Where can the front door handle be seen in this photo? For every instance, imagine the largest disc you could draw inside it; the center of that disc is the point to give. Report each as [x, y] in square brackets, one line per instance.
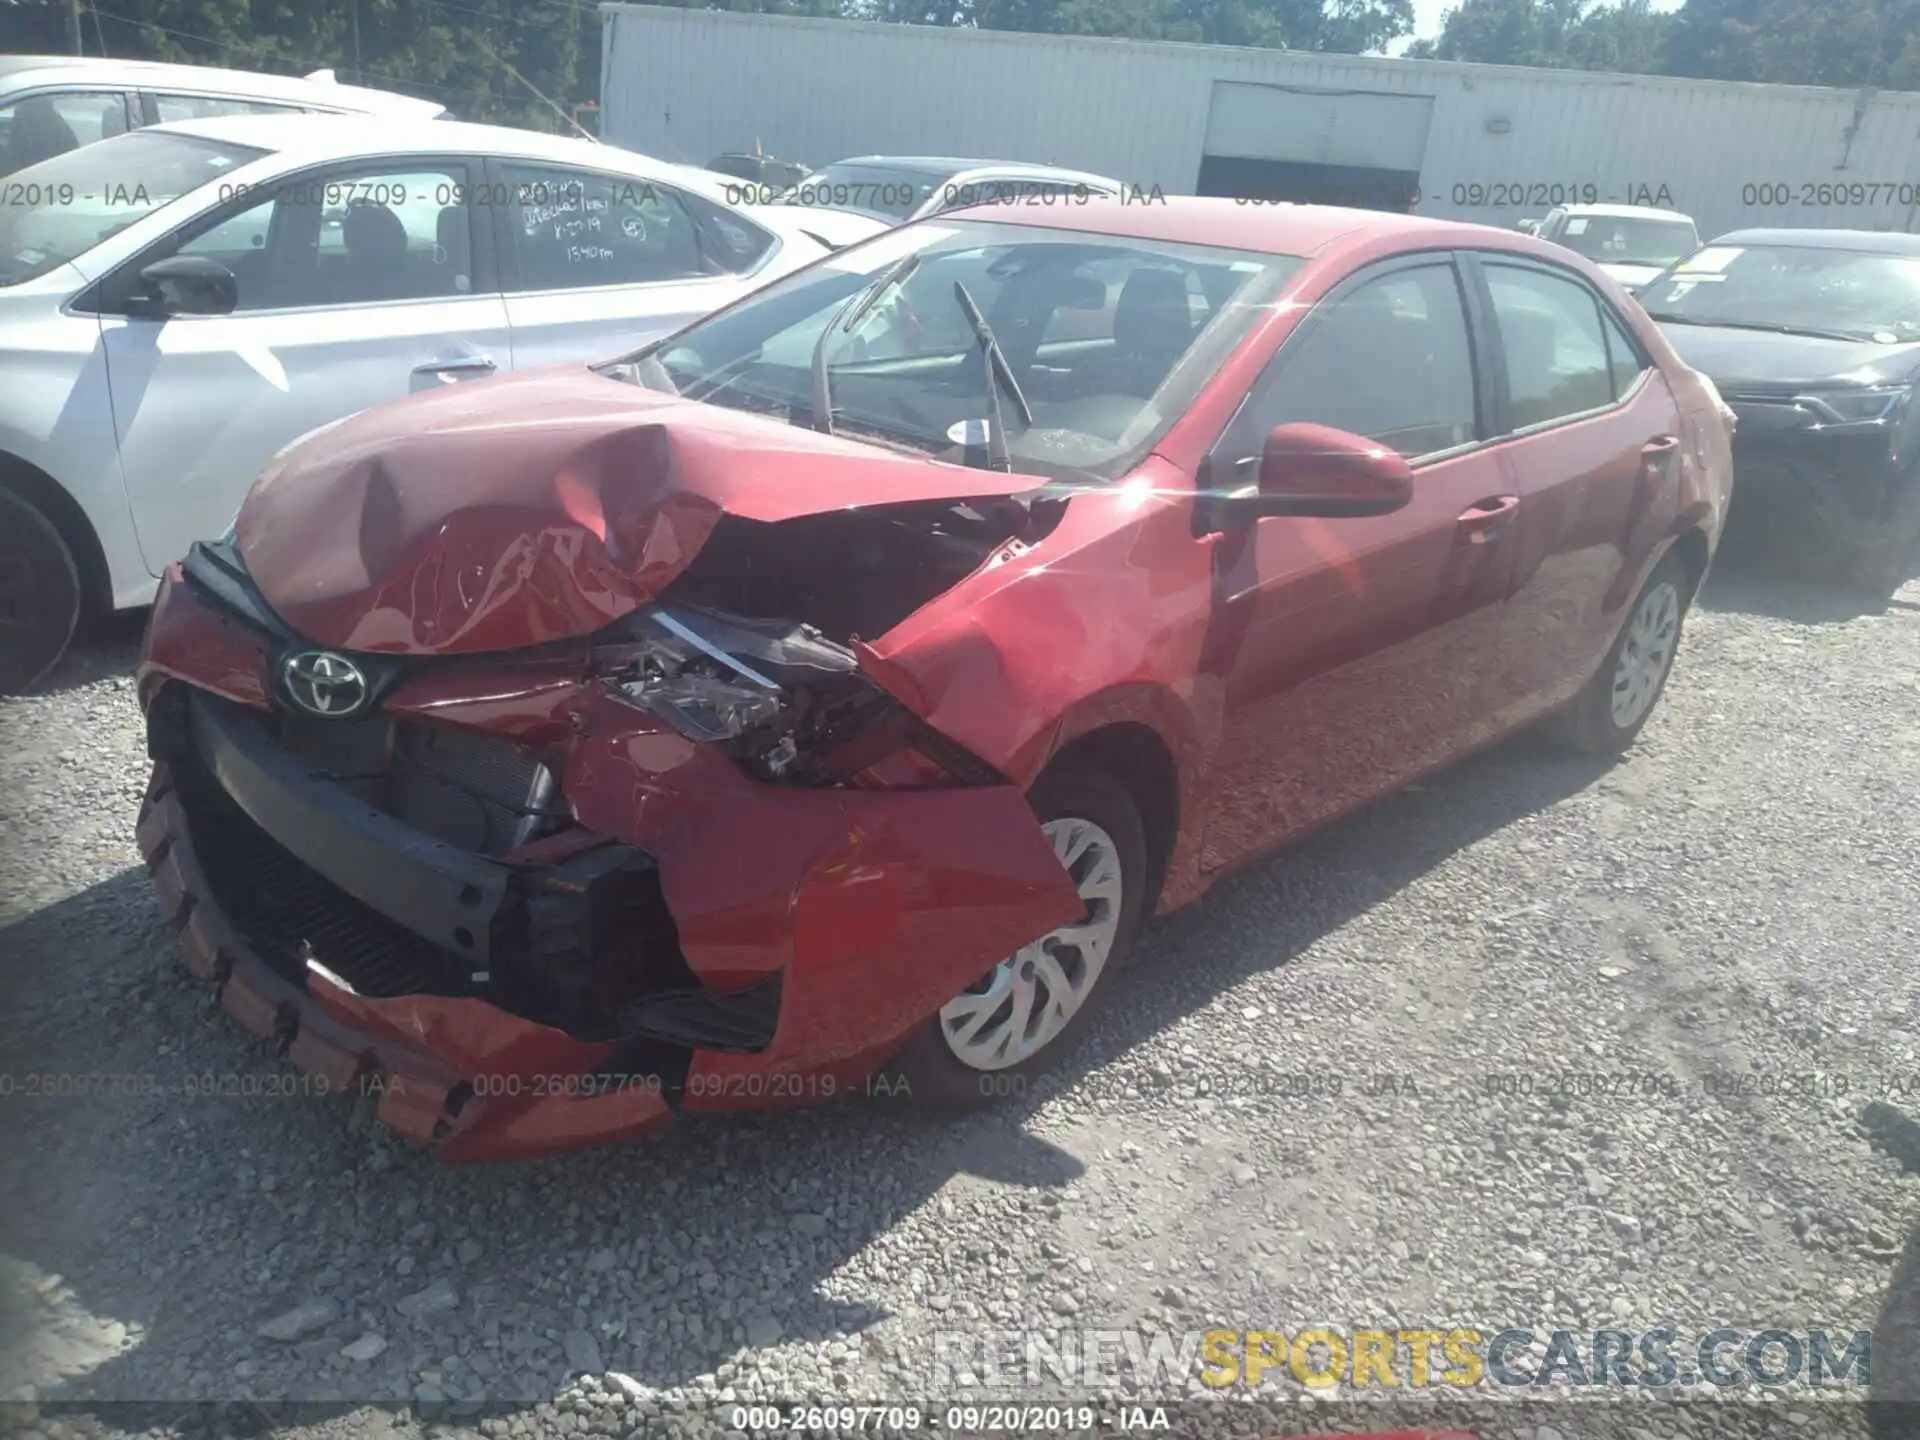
[450, 372]
[1483, 520]
[1658, 452]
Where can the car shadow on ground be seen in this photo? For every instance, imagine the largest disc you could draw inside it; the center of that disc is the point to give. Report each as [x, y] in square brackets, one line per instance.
[1754, 573]
[104, 647]
[266, 1202]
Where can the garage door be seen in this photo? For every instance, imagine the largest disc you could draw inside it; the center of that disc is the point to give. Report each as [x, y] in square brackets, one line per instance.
[1357, 128]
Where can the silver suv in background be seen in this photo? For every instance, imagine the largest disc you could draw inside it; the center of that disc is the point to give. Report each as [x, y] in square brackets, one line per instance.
[50, 104]
[1632, 243]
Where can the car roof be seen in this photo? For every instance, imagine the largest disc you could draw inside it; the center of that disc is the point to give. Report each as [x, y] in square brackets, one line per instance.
[1272, 229]
[1627, 212]
[300, 139]
[1877, 242]
[318, 89]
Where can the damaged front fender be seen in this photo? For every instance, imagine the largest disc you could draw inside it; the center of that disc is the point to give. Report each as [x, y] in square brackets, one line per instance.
[873, 908]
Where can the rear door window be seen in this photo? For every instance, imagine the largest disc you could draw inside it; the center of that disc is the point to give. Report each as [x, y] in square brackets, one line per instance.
[573, 229]
[172, 107]
[1555, 351]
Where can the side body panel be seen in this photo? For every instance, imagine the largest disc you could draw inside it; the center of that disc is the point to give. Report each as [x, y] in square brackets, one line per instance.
[55, 415]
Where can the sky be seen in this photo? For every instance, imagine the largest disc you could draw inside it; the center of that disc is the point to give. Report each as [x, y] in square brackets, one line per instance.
[1426, 17]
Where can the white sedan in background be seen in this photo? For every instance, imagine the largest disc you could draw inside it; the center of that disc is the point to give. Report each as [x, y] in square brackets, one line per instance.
[179, 303]
[851, 200]
[50, 104]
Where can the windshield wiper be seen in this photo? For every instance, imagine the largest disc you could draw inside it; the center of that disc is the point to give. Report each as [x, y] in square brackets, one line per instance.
[1767, 327]
[999, 376]
[843, 321]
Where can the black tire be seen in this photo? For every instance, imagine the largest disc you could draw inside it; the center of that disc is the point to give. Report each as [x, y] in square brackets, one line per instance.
[926, 1070]
[39, 595]
[1589, 724]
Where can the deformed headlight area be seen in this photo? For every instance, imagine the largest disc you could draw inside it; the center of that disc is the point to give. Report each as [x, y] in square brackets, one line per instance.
[771, 691]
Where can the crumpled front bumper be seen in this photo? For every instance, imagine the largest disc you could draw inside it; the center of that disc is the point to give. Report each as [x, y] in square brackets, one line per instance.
[417, 1056]
[869, 909]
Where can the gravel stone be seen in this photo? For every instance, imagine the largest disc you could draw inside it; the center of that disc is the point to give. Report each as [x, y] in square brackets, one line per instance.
[583, 1353]
[436, 1299]
[368, 1347]
[303, 1319]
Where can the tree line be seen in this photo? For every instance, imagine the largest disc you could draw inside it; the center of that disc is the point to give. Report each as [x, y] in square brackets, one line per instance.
[537, 62]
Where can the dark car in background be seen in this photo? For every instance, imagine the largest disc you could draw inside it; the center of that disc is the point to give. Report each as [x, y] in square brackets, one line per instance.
[1813, 338]
[759, 169]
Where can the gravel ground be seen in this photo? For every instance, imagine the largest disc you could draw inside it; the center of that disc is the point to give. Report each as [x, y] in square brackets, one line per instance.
[1736, 897]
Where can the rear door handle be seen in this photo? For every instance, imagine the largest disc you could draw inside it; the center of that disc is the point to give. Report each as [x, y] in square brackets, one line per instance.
[1485, 519]
[449, 372]
[1659, 451]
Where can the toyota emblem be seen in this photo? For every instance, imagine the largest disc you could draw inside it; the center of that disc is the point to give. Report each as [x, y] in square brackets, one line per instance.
[323, 683]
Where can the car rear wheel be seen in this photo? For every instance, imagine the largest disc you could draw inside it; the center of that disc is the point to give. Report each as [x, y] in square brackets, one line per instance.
[39, 595]
[1608, 714]
[993, 1036]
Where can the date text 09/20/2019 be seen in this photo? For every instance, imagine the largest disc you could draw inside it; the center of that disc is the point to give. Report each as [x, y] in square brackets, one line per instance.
[969, 1419]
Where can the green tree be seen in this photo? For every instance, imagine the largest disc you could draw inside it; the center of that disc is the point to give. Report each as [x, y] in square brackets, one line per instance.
[470, 55]
[1798, 42]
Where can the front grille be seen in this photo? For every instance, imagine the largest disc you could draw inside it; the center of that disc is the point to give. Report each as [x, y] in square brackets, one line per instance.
[459, 786]
[287, 911]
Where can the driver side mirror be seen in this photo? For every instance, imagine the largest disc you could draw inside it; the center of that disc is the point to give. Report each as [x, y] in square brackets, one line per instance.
[186, 285]
[1316, 470]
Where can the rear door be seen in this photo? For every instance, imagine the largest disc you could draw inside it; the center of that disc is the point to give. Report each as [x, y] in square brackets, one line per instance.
[1353, 652]
[358, 284]
[1590, 437]
[595, 264]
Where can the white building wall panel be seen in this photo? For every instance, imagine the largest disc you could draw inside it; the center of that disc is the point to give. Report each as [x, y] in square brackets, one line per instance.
[1369, 128]
[1500, 142]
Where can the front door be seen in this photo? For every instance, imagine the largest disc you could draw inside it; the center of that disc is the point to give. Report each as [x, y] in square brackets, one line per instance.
[356, 286]
[1353, 652]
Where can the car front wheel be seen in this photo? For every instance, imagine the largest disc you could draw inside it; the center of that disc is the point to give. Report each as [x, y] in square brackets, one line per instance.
[1012, 1022]
[39, 595]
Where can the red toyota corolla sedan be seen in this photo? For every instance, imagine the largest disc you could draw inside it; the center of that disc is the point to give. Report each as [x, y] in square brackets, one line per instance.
[828, 691]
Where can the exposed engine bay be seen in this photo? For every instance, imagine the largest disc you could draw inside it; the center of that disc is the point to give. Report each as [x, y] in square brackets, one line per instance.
[720, 659]
[856, 573]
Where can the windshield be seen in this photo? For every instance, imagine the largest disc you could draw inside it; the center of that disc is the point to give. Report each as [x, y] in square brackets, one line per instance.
[58, 210]
[1850, 293]
[1628, 240]
[886, 192]
[1109, 339]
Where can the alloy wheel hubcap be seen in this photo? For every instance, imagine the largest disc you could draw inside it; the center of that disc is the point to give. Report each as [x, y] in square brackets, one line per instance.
[1646, 655]
[1025, 1001]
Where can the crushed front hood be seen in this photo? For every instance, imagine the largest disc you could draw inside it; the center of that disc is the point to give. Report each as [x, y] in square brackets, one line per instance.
[502, 514]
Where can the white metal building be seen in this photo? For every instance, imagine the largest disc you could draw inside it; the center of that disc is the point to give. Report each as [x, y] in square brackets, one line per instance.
[1491, 143]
